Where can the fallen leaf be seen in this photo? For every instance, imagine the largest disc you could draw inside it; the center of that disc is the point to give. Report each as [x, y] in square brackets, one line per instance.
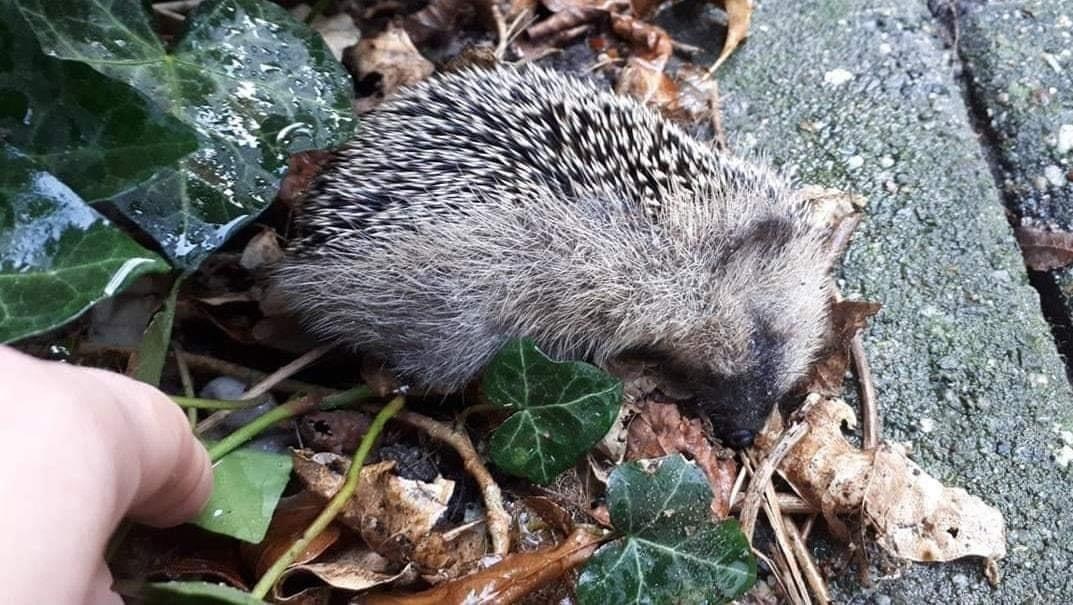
[913, 515]
[918, 518]
[263, 249]
[302, 169]
[847, 318]
[643, 76]
[660, 430]
[336, 431]
[1045, 250]
[354, 569]
[392, 514]
[293, 515]
[440, 557]
[507, 581]
[436, 17]
[739, 15]
[828, 207]
[387, 62]
[339, 32]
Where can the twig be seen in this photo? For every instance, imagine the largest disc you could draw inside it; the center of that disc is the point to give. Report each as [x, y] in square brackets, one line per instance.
[797, 589]
[267, 384]
[204, 363]
[869, 409]
[335, 505]
[498, 519]
[285, 372]
[790, 504]
[188, 384]
[808, 564]
[806, 528]
[290, 409]
[762, 477]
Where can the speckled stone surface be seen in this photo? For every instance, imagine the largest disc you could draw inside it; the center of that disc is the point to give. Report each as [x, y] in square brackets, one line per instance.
[861, 95]
[1019, 57]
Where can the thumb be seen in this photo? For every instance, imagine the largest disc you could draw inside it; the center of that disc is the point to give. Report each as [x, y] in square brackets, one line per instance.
[165, 474]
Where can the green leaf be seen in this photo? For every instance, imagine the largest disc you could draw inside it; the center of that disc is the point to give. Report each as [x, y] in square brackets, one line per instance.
[190, 593]
[153, 351]
[564, 408]
[58, 256]
[246, 488]
[672, 552]
[256, 85]
[97, 135]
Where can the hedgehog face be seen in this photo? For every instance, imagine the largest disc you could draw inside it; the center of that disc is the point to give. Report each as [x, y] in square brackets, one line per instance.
[733, 381]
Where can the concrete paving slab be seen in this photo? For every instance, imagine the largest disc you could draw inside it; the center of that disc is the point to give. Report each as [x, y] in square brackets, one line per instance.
[861, 95]
[1019, 57]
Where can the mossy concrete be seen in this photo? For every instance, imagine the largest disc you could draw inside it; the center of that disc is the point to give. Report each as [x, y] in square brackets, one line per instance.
[861, 95]
[1020, 62]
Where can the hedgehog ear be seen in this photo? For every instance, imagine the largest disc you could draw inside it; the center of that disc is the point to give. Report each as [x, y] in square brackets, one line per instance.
[836, 213]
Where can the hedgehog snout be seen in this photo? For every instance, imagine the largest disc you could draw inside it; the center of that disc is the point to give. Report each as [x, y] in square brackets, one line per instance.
[737, 409]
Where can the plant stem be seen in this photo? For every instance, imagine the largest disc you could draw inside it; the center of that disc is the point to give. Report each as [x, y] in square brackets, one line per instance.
[335, 505]
[290, 409]
[199, 403]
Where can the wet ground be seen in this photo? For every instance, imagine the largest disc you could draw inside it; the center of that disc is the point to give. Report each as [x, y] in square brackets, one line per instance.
[951, 144]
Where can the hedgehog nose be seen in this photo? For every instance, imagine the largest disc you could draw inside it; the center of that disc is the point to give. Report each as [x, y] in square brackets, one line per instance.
[740, 439]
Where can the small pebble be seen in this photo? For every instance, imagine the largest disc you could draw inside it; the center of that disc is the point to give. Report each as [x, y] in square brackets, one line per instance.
[886, 161]
[855, 162]
[881, 599]
[837, 77]
[927, 425]
[1054, 175]
[961, 580]
[1065, 138]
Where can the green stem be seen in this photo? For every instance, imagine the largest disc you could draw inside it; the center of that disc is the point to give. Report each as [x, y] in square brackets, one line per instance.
[290, 409]
[335, 505]
[200, 403]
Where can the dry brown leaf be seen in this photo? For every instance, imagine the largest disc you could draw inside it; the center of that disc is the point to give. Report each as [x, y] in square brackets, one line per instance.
[392, 514]
[507, 581]
[643, 76]
[436, 17]
[739, 15]
[848, 317]
[913, 515]
[336, 431]
[354, 569]
[1045, 250]
[660, 429]
[440, 557]
[391, 61]
[644, 9]
[918, 518]
[339, 32]
[302, 168]
[293, 515]
[262, 249]
[828, 207]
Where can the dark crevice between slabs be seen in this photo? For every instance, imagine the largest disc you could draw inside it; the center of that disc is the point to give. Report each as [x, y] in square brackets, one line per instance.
[1055, 312]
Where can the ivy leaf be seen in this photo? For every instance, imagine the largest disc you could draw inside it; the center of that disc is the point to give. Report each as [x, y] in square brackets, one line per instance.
[58, 256]
[187, 593]
[97, 135]
[256, 85]
[563, 409]
[672, 552]
[246, 487]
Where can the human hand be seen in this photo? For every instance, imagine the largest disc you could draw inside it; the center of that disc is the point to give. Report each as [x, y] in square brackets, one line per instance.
[84, 448]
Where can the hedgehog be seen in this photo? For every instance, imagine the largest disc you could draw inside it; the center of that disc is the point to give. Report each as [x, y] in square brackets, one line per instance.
[490, 204]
